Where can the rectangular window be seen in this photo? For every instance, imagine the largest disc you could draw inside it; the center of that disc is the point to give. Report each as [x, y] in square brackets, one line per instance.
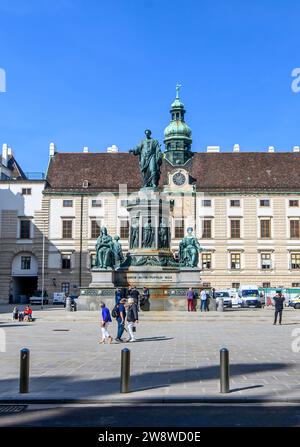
[294, 203]
[206, 285]
[265, 261]
[67, 203]
[66, 262]
[25, 229]
[206, 261]
[95, 228]
[295, 261]
[264, 202]
[96, 203]
[295, 228]
[266, 285]
[179, 228]
[265, 228]
[65, 287]
[25, 262]
[235, 202]
[67, 227]
[235, 285]
[235, 229]
[206, 229]
[26, 191]
[235, 261]
[295, 284]
[124, 228]
[206, 202]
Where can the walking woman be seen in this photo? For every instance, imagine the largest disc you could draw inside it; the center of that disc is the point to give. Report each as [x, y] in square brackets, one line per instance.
[106, 319]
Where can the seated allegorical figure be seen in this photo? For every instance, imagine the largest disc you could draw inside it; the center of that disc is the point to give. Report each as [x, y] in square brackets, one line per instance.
[189, 249]
[105, 257]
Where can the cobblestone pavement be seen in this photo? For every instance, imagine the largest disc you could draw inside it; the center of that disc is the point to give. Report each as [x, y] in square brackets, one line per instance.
[176, 356]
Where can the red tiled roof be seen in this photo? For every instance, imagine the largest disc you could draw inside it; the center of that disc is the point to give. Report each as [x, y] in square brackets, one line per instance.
[211, 171]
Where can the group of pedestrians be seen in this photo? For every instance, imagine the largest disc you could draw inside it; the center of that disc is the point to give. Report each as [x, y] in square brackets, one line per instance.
[126, 313]
[191, 299]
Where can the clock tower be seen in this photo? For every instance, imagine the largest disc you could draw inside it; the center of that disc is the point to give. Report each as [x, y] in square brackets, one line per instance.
[178, 135]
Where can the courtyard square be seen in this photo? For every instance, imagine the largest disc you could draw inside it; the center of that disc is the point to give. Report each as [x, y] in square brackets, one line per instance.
[176, 356]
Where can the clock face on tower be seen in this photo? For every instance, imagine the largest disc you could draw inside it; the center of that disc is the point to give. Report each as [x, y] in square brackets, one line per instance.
[179, 179]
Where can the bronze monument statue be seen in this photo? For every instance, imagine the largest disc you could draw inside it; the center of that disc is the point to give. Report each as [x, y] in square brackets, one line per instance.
[189, 249]
[105, 257]
[150, 158]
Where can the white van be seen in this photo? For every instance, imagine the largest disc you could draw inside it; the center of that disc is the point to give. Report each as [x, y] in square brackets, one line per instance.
[250, 296]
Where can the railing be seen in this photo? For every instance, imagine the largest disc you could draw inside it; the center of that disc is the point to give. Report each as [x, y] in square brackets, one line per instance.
[35, 175]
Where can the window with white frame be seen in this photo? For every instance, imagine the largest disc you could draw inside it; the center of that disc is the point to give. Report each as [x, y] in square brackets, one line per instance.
[206, 261]
[265, 261]
[179, 228]
[95, 228]
[67, 203]
[264, 202]
[294, 228]
[235, 261]
[235, 202]
[25, 262]
[96, 203]
[124, 228]
[295, 261]
[66, 261]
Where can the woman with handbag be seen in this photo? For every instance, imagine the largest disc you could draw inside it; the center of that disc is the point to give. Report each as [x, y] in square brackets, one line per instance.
[106, 319]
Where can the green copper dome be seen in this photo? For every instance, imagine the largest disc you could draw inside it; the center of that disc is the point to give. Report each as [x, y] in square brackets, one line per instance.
[177, 128]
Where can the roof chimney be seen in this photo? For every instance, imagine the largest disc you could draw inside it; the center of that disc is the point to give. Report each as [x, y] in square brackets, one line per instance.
[296, 149]
[113, 148]
[85, 149]
[271, 149]
[236, 148]
[213, 148]
[9, 151]
[4, 154]
[52, 149]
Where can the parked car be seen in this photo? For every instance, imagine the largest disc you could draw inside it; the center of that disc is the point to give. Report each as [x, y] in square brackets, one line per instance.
[36, 298]
[225, 295]
[295, 302]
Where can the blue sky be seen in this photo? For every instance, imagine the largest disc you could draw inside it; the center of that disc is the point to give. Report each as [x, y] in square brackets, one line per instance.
[96, 73]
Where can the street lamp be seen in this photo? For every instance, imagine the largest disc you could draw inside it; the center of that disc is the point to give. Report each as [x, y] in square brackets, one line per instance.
[43, 265]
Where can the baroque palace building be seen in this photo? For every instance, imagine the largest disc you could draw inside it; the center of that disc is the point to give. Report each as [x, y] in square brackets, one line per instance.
[244, 208]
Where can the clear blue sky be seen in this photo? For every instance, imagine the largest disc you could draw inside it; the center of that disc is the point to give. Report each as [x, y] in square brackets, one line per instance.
[98, 73]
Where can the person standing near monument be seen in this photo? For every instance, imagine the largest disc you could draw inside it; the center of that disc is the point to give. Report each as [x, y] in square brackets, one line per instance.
[121, 316]
[190, 299]
[278, 301]
[203, 298]
[132, 319]
[105, 320]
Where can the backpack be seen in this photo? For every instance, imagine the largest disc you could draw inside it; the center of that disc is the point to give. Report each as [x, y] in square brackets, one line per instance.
[115, 312]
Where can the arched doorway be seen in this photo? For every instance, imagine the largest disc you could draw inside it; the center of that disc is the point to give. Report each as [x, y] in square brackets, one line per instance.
[24, 271]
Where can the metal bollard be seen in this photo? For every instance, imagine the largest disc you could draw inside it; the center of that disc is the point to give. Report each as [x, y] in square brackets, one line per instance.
[220, 305]
[24, 370]
[224, 370]
[68, 304]
[125, 370]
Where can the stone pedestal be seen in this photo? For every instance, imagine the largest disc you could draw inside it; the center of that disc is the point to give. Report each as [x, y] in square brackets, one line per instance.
[102, 288]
